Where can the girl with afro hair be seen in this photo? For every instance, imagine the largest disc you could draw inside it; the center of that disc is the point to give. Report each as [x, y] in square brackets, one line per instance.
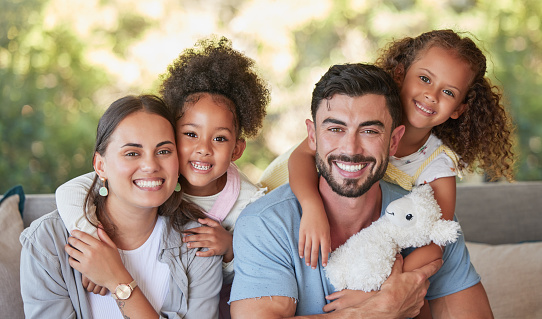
[219, 100]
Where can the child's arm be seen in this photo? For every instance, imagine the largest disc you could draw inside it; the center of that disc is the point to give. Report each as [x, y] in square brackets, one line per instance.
[70, 200]
[444, 190]
[314, 228]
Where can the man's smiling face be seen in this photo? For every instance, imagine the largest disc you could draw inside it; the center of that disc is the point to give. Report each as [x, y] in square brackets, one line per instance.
[352, 137]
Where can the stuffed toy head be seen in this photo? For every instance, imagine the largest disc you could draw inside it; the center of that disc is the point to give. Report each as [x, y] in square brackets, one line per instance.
[365, 260]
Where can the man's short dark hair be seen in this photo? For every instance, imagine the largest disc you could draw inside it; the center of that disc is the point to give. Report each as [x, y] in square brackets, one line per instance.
[354, 80]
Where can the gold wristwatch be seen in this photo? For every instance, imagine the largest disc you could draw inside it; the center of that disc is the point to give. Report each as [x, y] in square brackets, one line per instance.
[124, 291]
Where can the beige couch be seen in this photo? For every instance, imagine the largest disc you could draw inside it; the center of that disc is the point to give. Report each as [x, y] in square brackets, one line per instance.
[502, 224]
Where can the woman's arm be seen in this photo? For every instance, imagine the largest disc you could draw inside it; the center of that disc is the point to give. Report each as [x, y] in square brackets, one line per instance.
[100, 261]
[70, 199]
[314, 228]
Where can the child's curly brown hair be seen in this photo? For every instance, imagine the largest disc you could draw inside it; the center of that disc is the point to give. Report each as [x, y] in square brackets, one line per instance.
[213, 66]
[482, 135]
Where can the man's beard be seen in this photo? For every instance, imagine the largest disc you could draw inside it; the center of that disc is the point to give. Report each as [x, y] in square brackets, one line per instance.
[350, 187]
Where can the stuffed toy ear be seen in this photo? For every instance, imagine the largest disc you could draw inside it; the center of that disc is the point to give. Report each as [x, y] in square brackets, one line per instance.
[445, 232]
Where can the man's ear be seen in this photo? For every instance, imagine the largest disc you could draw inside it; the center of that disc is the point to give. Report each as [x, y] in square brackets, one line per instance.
[311, 132]
[238, 150]
[458, 111]
[399, 74]
[395, 138]
[99, 165]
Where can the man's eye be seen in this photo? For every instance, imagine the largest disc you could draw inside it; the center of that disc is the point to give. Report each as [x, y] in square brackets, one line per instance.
[335, 129]
[425, 79]
[448, 92]
[369, 132]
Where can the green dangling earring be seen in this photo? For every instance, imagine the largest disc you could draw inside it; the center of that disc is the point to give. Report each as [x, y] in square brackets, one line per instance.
[103, 190]
[178, 187]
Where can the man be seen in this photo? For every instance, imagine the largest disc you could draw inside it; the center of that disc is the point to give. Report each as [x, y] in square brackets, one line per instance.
[356, 113]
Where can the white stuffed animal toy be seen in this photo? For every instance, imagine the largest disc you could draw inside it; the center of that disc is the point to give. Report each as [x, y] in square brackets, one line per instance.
[365, 260]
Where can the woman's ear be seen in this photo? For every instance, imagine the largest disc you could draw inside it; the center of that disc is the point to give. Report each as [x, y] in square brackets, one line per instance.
[99, 165]
[238, 150]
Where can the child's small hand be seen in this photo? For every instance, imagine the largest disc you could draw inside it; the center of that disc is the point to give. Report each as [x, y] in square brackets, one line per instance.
[346, 298]
[212, 236]
[314, 236]
[92, 287]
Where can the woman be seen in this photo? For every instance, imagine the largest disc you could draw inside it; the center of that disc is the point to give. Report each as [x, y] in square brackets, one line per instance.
[137, 170]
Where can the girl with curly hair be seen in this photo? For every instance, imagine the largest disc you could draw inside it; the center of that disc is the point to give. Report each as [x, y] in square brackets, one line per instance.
[219, 100]
[454, 121]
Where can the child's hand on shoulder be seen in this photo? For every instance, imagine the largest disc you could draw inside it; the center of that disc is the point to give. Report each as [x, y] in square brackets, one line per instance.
[314, 236]
[212, 236]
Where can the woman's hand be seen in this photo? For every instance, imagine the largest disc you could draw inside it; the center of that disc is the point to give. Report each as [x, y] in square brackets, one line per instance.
[92, 287]
[99, 260]
[212, 236]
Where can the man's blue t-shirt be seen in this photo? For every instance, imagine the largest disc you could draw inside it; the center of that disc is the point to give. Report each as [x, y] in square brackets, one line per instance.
[267, 261]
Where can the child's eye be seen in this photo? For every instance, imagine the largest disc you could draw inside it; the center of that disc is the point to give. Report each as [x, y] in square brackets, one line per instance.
[425, 79]
[448, 92]
[190, 134]
[220, 139]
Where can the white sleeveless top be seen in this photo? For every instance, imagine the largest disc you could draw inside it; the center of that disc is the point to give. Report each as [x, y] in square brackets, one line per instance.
[142, 263]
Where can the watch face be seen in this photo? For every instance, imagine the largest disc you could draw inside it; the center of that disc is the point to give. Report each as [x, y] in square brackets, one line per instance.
[123, 291]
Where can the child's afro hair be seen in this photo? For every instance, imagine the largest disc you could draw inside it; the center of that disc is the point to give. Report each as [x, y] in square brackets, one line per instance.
[213, 66]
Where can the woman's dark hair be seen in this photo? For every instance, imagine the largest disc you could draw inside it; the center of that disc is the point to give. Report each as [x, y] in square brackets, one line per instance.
[357, 80]
[178, 211]
[227, 75]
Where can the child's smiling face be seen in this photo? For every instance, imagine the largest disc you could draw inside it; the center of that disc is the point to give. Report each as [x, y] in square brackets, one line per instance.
[206, 145]
[434, 88]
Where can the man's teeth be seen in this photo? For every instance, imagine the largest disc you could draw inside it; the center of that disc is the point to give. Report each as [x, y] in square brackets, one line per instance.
[351, 168]
[149, 184]
[424, 109]
[201, 167]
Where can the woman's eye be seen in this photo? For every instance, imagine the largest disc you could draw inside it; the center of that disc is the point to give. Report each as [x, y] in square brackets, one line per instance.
[164, 152]
[448, 92]
[130, 154]
[425, 79]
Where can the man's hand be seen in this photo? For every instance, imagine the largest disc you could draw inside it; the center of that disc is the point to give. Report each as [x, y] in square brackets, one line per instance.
[402, 294]
[346, 298]
[212, 236]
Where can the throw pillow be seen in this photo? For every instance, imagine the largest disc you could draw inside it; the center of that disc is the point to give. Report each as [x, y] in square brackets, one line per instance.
[512, 277]
[11, 226]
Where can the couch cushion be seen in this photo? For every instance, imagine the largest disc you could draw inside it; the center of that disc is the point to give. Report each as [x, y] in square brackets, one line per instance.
[512, 277]
[510, 210]
[11, 226]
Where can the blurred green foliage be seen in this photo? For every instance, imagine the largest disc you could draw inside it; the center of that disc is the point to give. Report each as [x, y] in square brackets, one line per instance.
[49, 89]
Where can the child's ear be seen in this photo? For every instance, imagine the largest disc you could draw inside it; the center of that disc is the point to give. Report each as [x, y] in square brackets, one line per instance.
[238, 150]
[99, 165]
[458, 111]
[399, 74]
[311, 139]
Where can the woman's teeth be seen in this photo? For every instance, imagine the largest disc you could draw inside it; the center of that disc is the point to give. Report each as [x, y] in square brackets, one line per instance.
[149, 184]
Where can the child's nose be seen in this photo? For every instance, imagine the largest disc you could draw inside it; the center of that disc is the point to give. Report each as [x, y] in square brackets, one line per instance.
[204, 148]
